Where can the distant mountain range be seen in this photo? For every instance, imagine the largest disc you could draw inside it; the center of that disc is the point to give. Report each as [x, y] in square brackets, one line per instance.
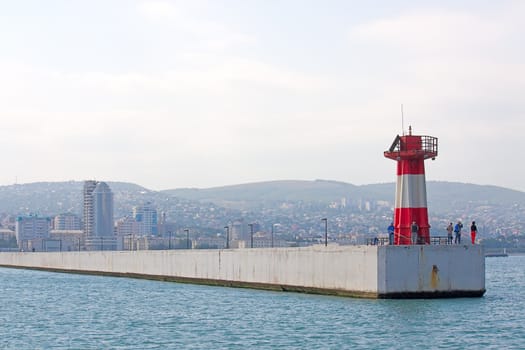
[49, 198]
[442, 196]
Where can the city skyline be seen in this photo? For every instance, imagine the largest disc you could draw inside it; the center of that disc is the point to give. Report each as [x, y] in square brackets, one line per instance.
[353, 218]
[203, 94]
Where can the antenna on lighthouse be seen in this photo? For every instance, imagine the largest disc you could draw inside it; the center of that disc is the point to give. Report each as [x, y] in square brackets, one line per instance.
[402, 121]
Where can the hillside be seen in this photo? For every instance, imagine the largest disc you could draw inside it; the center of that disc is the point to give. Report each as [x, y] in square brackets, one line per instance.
[50, 198]
[253, 195]
[365, 208]
[296, 205]
[442, 196]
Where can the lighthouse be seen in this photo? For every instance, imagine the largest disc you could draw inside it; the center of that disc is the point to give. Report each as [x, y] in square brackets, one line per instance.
[410, 152]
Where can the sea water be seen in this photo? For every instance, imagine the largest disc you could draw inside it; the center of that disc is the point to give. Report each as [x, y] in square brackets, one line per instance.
[45, 310]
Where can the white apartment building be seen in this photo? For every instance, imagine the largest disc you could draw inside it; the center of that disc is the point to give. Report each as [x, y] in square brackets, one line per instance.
[31, 231]
[67, 221]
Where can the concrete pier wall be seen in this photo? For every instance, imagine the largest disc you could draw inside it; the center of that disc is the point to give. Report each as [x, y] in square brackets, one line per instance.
[431, 271]
[366, 271]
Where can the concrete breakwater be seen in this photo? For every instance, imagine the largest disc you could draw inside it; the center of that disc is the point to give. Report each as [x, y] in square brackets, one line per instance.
[418, 271]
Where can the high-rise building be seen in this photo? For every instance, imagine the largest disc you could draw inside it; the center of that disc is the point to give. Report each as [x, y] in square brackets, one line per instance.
[146, 217]
[89, 186]
[98, 216]
[103, 211]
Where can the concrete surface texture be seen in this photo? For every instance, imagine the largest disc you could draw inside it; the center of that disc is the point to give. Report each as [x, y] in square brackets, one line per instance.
[362, 271]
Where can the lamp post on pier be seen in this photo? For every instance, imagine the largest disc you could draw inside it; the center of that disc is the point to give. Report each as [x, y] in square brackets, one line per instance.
[251, 235]
[187, 238]
[325, 231]
[273, 225]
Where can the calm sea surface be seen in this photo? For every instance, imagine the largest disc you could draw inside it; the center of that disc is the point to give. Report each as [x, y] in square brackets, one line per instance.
[41, 310]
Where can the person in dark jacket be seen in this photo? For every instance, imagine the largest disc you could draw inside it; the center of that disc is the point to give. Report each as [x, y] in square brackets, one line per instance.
[473, 231]
[414, 229]
[457, 231]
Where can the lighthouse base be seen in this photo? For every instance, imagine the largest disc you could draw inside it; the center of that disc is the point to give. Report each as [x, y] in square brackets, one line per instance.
[431, 271]
[415, 271]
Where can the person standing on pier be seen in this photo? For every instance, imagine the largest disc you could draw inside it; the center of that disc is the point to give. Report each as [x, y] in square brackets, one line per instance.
[414, 229]
[457, 231]
[473, 231]
[450, 228]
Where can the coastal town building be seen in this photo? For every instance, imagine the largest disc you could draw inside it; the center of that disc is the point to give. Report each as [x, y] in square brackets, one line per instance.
[146, 218]
[98, 217]
[67, 221]
[31, 232]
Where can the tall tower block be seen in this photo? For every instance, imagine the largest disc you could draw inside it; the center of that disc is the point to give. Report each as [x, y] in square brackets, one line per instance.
[410, 152]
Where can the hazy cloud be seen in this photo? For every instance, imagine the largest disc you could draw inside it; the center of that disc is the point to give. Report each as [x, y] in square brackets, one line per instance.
[170, 94]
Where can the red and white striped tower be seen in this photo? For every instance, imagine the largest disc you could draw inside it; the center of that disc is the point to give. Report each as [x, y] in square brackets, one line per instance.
[410, 152]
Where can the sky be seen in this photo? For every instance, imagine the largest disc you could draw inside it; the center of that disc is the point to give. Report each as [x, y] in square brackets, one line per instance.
[171, 94]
